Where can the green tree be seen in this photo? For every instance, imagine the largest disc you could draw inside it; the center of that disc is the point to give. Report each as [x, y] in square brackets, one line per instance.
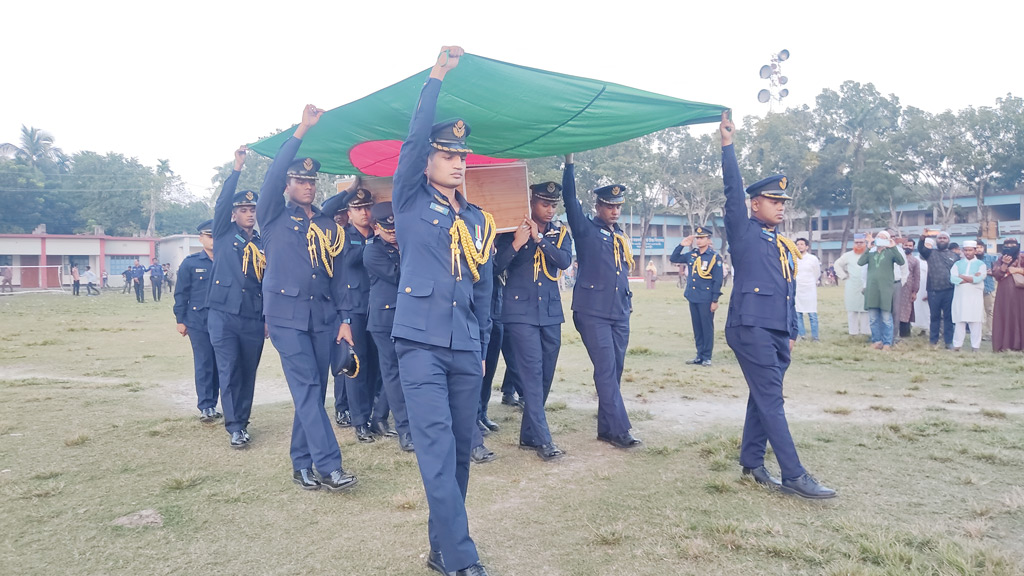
[36, 148]
[111, 191]
[22, 190]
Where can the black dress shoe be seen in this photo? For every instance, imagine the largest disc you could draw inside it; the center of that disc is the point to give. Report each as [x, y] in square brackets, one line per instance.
[343, 419]
[338, 481]
[363, 434]
[762, 476]
[239, 440]
[207, 415]
[491, 424]
[696, 360]
[405, 443]
[625, 440]
[474, 570]
[509, 400]
[807, 486]
[435, 562]
[245, 433]
[548, 452]
[381, 428]
[483, 428]
[481, 454]
[305, 479]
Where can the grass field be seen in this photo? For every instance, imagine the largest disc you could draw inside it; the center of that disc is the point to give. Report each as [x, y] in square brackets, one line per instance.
[98, 421]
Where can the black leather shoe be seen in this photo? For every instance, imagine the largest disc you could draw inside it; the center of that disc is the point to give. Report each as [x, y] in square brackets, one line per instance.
[343, 419]
[491, 424]
[207, 415]
[363, 434]
[548, 452]
[696, 360]
[509, 400]
[807, 486]
[706, 363]
[435, 562]
[481, 454]
[381, 428]
[761, 476]
[338, 481]
[239, 440]
[483, 428]
[474, 570]
[305, 479]
[245, 433]
[625, 440]
[405, 443]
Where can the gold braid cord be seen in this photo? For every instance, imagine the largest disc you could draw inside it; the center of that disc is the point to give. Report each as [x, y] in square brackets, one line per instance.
[258, 259]
[785, 244]
[356, 373]
[320, 245]
[622, 243]
[462, 243]
[705, 272]
[540, 262]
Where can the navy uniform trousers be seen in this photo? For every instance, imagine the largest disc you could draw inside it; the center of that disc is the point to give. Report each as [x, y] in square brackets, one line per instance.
[536, 349]
[447, 384]
[703, 321]
[238, 343]
[391, 384]
[207, 384]
[763, 355]
[606, 342]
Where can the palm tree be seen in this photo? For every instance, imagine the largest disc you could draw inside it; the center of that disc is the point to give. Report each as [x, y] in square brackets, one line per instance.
[37, 149]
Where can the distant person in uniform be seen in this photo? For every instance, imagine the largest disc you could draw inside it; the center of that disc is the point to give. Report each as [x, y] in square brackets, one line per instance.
[235, 320]
[531, 309]
[156, 279]
[443, 321]
[190, 312]
[703, 289]
[139, 281]
[761, 327]
[127, 277]
[602, 301]
[383, 261]
[302, 247]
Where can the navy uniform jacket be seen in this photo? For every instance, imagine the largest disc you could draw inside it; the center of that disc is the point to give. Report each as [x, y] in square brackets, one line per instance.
[157, 272]
[296, 289]
[762, 295]
[699, 288]
[602, 284]
[382, 262]
[139, 272]
[529, 300]
[190, 291]
[352, 295]
[435, 305]
[232, 291]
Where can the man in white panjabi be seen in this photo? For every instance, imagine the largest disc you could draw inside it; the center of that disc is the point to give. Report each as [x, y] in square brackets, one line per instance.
[807, 275]
[968, 278]
[855, 278]
[922, 311]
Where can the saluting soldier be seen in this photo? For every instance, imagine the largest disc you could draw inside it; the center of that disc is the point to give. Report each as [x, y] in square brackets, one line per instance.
[531, 309]
[703, 289]
[237, 330]
[442, 322]
[302, 248]
[761, 327]
[190, 312]
[383, 260]
[601, 300]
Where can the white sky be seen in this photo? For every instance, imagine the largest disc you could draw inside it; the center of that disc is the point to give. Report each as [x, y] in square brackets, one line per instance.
[189, 81]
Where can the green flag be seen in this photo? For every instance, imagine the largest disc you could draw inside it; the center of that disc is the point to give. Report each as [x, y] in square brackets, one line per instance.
[515, 112]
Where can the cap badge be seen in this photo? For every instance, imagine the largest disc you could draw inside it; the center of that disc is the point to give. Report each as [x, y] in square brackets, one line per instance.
[782, 183]
[248, 195]
[551, 187]
[308, 164]
[459, 129]
[616, 191]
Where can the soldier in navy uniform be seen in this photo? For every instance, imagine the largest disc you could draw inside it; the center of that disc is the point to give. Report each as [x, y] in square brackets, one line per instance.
[761, 327]
[703, 289]
[139, 281]
[383, 260]
[353, 295]
[302, 247]
[532, 308]
[190, 312]
[442, 320]
[156, 279]
[235, 300]
[336, 207]
[602, 300]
